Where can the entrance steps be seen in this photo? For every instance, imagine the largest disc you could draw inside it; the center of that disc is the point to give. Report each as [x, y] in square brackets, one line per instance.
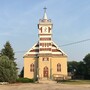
[46, 81]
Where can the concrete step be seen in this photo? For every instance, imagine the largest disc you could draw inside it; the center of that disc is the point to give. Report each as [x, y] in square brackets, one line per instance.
[47, 81]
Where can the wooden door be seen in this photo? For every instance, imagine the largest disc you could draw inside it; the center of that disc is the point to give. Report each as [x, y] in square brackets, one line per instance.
[45, 71]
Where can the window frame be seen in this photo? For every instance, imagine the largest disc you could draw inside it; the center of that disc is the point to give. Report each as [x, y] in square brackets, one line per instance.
[58, 67]
[32, 67]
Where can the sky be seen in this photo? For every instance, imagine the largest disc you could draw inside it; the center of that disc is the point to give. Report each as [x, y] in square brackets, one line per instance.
[70, 18]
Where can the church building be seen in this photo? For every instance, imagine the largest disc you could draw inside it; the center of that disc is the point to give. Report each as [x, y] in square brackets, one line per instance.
[45, 59]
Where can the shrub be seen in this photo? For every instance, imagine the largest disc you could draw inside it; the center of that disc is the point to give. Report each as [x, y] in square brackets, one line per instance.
[24, 80]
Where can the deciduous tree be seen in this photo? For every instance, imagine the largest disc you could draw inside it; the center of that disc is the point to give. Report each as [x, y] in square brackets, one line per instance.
[87, 66]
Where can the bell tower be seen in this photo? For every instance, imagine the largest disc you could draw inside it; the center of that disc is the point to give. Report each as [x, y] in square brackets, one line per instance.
[45, 34]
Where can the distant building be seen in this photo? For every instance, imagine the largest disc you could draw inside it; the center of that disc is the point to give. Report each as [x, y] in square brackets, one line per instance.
[45, 59]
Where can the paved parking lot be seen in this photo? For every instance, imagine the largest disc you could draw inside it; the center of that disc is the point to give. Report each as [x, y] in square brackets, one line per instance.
[44, 86]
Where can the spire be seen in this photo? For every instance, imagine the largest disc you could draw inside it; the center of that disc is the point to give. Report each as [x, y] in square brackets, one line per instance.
[45, 15]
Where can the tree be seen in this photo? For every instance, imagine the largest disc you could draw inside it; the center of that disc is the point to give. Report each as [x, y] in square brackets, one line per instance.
[87, 59]
[87, 66]
[72, 66]
[81, 68]
[8, 71]
[77, 69]
[8, 51]
[22, 72]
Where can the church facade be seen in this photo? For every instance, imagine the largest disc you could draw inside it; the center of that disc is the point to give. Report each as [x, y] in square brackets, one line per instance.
[45, 59]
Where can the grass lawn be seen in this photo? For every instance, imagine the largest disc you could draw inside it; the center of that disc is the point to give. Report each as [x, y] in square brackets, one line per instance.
[75, 82]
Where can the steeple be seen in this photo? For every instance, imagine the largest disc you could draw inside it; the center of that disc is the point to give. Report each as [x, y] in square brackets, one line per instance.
[45, 15]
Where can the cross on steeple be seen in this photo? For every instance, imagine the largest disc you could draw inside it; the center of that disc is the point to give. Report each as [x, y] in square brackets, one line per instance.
[44, 9]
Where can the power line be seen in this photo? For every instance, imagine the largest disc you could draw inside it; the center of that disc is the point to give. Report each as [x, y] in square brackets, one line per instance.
[20, 51]
[74, 43]
[68, 44]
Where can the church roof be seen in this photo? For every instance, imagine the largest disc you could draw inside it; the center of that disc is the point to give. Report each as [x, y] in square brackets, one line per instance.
[56, 51]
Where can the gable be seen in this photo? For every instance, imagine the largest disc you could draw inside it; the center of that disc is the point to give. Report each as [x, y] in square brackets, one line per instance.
[56, 51]
[33, 51]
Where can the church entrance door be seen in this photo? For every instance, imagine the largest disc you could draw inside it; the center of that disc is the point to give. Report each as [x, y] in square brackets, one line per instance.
[45, 71]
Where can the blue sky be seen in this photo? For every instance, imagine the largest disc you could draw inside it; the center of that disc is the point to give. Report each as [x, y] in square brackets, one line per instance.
[71, 23]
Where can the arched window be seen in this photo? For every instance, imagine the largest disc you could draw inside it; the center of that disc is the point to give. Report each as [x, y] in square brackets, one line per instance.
[32, 67]
[58, 67]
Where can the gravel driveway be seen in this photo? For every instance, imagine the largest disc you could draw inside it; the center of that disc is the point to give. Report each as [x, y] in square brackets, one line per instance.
[44, 86]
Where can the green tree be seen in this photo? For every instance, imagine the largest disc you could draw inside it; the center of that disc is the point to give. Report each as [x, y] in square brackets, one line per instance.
[87, 66]
[22, 72]
[77, 69]
[72, 66]
[8, 51]
[8, 71]
[81, 68]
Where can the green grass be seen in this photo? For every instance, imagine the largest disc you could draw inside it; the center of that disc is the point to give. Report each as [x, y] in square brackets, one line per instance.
[75, 82]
